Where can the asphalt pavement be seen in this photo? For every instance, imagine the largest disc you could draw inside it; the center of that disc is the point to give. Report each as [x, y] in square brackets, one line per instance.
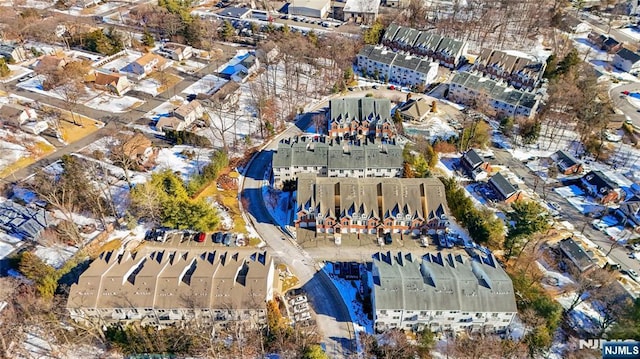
[621, 102]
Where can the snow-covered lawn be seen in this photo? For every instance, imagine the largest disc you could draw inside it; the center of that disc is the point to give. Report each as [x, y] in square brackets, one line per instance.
[118, 63]
[632, 32]
[188, 66]
[173, 159]
[15, 73]
[559, 279]
[569, 191]
[149, 86]
[165, 109]
[55, 255]
[208, 84]
[433, 128]
[115, 104]
[584, 316]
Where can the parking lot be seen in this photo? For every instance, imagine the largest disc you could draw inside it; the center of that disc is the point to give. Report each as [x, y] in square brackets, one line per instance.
[298, 307]
[190, 239]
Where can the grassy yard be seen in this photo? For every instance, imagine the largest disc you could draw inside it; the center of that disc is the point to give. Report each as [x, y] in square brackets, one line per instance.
[72, 132]
[230, 199]
[37, 151]
[166, 80]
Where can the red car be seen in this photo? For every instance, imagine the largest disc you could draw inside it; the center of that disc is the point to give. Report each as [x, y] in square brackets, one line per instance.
[625, 93]
[201, 237]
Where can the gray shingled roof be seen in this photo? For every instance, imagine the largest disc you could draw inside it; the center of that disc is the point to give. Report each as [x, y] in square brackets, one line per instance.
[21, 221]
[503, 186]
[628, 55]
[440, 281]
[576, 253]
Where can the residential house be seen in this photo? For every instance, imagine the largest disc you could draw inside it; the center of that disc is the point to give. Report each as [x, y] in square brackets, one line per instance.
[583, 260]
[567, 164]
[375, 62]
[360, 11]
[336, 158]
[518, 71]
[138, 148]
[48, 63]
[177, 52]
[473, 89]
[627, 60]
[189, 112]
[22, 117]
[17, 115]
[26, 222]
[115, 83]
[351, 118]
[310, 8]
[474, 165]
[240, 67]
[414, 110]
[606, 43]
[331, 205]
[441, 292]
[599, 186]
[225, 98]
[170, 123]
[628, 213]
[12, 52]
[160, 287]
[145, 65]
[504, 190]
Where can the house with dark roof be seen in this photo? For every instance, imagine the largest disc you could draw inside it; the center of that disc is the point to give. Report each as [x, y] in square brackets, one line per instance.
[628, 213]
[518, 71]
[504, 190]
[627, 60]
[441, 292]
[333, 205]
[582, 259]
[611, 45]
[240, 67]
[474, 165]
[601, 187]
[23, 221]
[567, 164]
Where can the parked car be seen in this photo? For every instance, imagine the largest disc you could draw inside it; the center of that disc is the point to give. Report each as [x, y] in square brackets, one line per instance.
[299, 308]
[217, 237]
[599, 225]
[555, 206]
[631, 273]
[299, 300]
[201, 237]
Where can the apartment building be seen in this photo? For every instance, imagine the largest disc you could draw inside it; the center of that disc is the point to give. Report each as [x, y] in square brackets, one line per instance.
[474, 89]
[328, 157]
[397, 68]
[518, 70]
[365, 117]
[441, 291]
[169, 287]
[370, 205]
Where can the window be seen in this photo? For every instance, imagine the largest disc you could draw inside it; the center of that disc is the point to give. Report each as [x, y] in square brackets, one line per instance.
[493, 315]
[439, 312]
[396, 318]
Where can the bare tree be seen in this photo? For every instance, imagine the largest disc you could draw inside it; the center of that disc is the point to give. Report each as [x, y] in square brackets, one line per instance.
[222, 118]
[588, 284]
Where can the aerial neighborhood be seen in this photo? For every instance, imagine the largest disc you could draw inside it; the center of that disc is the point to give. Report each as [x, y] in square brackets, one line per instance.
[319, 179]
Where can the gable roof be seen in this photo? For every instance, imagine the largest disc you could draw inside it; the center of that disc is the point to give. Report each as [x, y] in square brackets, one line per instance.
[147, 58]
[186, 109]
[565, 160]
[576, 253]
[600, 180]
[108, 78]
[416, 109]
[472, 159]
[503, 186]
[628, 55]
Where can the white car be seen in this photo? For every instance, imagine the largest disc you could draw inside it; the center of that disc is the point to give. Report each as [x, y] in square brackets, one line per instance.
[599, 225]
[301, 308]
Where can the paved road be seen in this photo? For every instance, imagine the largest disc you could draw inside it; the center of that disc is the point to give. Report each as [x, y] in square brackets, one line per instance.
[621, 102]
[580, 222]
[333, 319]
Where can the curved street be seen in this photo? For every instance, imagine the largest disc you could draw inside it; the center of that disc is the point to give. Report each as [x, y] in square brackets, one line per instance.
[333, 319]
[621, 102]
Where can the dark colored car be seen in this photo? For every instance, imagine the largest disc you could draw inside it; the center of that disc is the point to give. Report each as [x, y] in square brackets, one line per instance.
[201, 237]
[217, 238]
[228, 238]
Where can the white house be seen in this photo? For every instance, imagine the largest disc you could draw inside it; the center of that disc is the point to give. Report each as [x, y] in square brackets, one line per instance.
[145, 65]
[310, 8]
[177, 52]
[405, 70]
[361, 11]
[627, 60]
